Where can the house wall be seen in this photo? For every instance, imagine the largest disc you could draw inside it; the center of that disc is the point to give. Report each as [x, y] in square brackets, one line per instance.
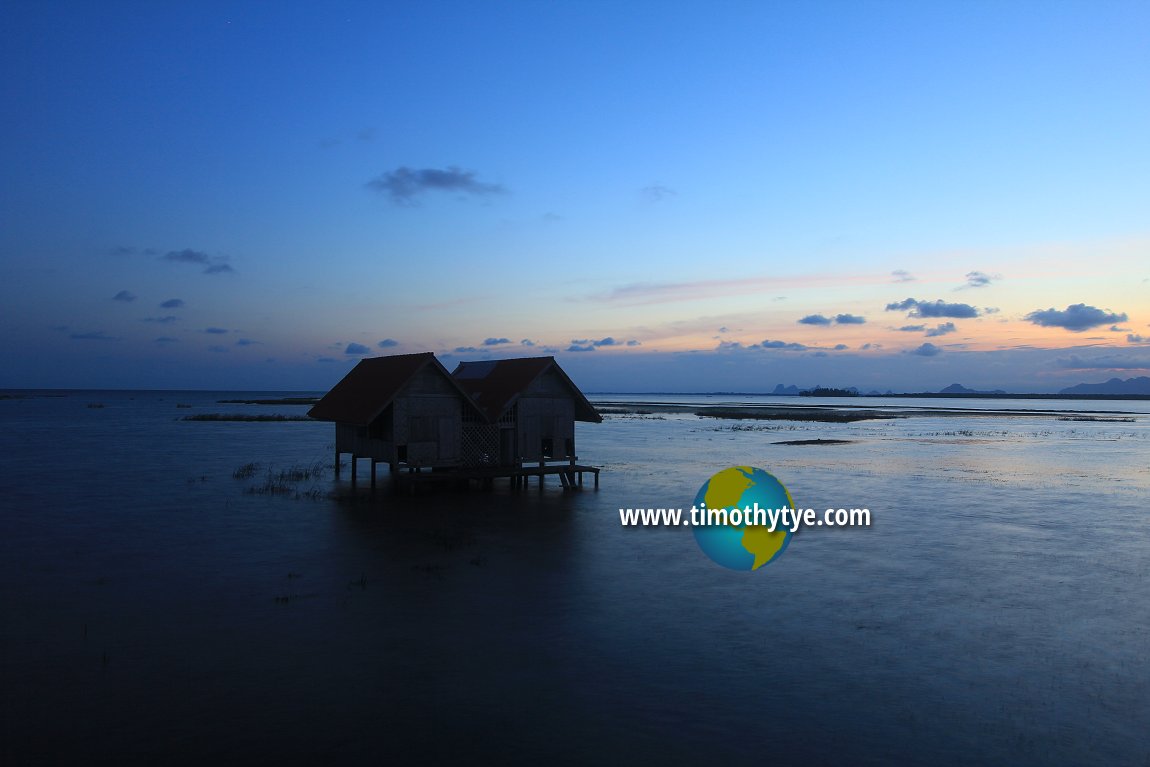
[428, 420]
[546, 412]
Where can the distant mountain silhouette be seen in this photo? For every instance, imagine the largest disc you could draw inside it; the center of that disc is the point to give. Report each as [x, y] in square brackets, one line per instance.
[956, 388]
[1140, 385]
[786, 391]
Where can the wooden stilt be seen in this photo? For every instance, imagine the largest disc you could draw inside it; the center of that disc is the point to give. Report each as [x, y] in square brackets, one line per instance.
[373, 475]
[337, 463]
[353, 465]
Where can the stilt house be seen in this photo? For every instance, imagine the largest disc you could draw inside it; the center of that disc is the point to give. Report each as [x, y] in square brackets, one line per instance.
[527, 409]
[403, 410]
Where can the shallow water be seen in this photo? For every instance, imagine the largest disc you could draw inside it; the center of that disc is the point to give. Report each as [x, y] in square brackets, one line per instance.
[995, 612]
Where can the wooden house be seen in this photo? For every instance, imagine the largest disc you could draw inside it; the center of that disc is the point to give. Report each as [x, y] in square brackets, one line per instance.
[403, 410]
[527, 409]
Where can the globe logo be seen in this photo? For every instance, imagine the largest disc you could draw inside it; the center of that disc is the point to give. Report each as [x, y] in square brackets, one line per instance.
[742, 546]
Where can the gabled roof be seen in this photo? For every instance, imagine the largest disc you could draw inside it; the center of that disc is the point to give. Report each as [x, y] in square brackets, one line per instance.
[495, 385]
[370, 387]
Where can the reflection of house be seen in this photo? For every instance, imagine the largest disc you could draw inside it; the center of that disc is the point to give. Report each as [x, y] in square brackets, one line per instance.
[403, 409]
[528, 409]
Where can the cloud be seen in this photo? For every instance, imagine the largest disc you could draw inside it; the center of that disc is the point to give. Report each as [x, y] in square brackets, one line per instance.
[1116, 329]
[1134, 338]
[166, 340]
[657, 192]
[526, 342]
[216, 331]
[841, 347]
[354, 348]
[172, 303]
[403, 185]
[1075, 318]
[464, 350]
[246, 342]
[941, 330]
[1105, 362]
[634, 342]
[495, 341]
[608, 341]
[902, 275]
[162, 320]
[581, 347]
[849, 319]
[790, 347]
[188, 256]
[94, 335]
[218, 349]
[387, 343]
[912, 328]
[124, 295]
[815, 319]
[932, 309]
[926, 350]
[978, 280]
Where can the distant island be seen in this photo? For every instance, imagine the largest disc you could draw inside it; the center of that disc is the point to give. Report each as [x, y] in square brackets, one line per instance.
[1115, 388]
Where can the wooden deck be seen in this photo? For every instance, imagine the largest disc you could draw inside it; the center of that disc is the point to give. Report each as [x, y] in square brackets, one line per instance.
[570, 475]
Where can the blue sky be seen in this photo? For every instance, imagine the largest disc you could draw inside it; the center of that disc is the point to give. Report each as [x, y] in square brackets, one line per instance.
[667, 196]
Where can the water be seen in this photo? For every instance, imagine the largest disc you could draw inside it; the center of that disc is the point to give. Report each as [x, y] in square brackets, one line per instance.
[996, 612]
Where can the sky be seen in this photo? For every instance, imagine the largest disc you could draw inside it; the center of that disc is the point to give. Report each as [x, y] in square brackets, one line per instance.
[667, 196]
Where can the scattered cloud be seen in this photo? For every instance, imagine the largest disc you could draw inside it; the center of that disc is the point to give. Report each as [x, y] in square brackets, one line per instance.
[840, 347]
[495, 341]
[354, 348]
[1116, 329]
[246, 342]
[978, 280]
[941, 330]
[815, 319]
[1134, 338]
[1075, 318]
[166, 340]
[169, 319]
[218, 349]
[850, 319]
[634, 342]
[608, 341]
[526, 342]
[404, 185]
[215, 331]
[657, 192]
[387, 343]
[212, 265]
[911, 328]
[172, 303]
[926, 350]
[94, 335]
[785, 346]
[583, 346]
[1104, 362]
[901, 275]
[124, 295]
[931, 309]
[464, 350]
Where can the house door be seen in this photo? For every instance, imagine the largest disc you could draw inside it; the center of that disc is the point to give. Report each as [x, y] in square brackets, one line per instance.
[507, 452]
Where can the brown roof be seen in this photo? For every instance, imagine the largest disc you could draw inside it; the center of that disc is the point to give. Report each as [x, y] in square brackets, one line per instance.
[495, 385]
[371, 385]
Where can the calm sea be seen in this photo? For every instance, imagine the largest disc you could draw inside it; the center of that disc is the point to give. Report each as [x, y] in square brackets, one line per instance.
[158, 609]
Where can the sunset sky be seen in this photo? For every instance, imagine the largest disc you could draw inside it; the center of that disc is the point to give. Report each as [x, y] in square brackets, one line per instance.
[668, 196]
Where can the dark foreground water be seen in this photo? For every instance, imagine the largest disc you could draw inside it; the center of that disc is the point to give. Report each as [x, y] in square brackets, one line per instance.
[154, 610]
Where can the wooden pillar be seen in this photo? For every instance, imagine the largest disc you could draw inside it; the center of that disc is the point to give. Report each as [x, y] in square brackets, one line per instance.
[373, 475]
[337, 463]
[353, 465]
